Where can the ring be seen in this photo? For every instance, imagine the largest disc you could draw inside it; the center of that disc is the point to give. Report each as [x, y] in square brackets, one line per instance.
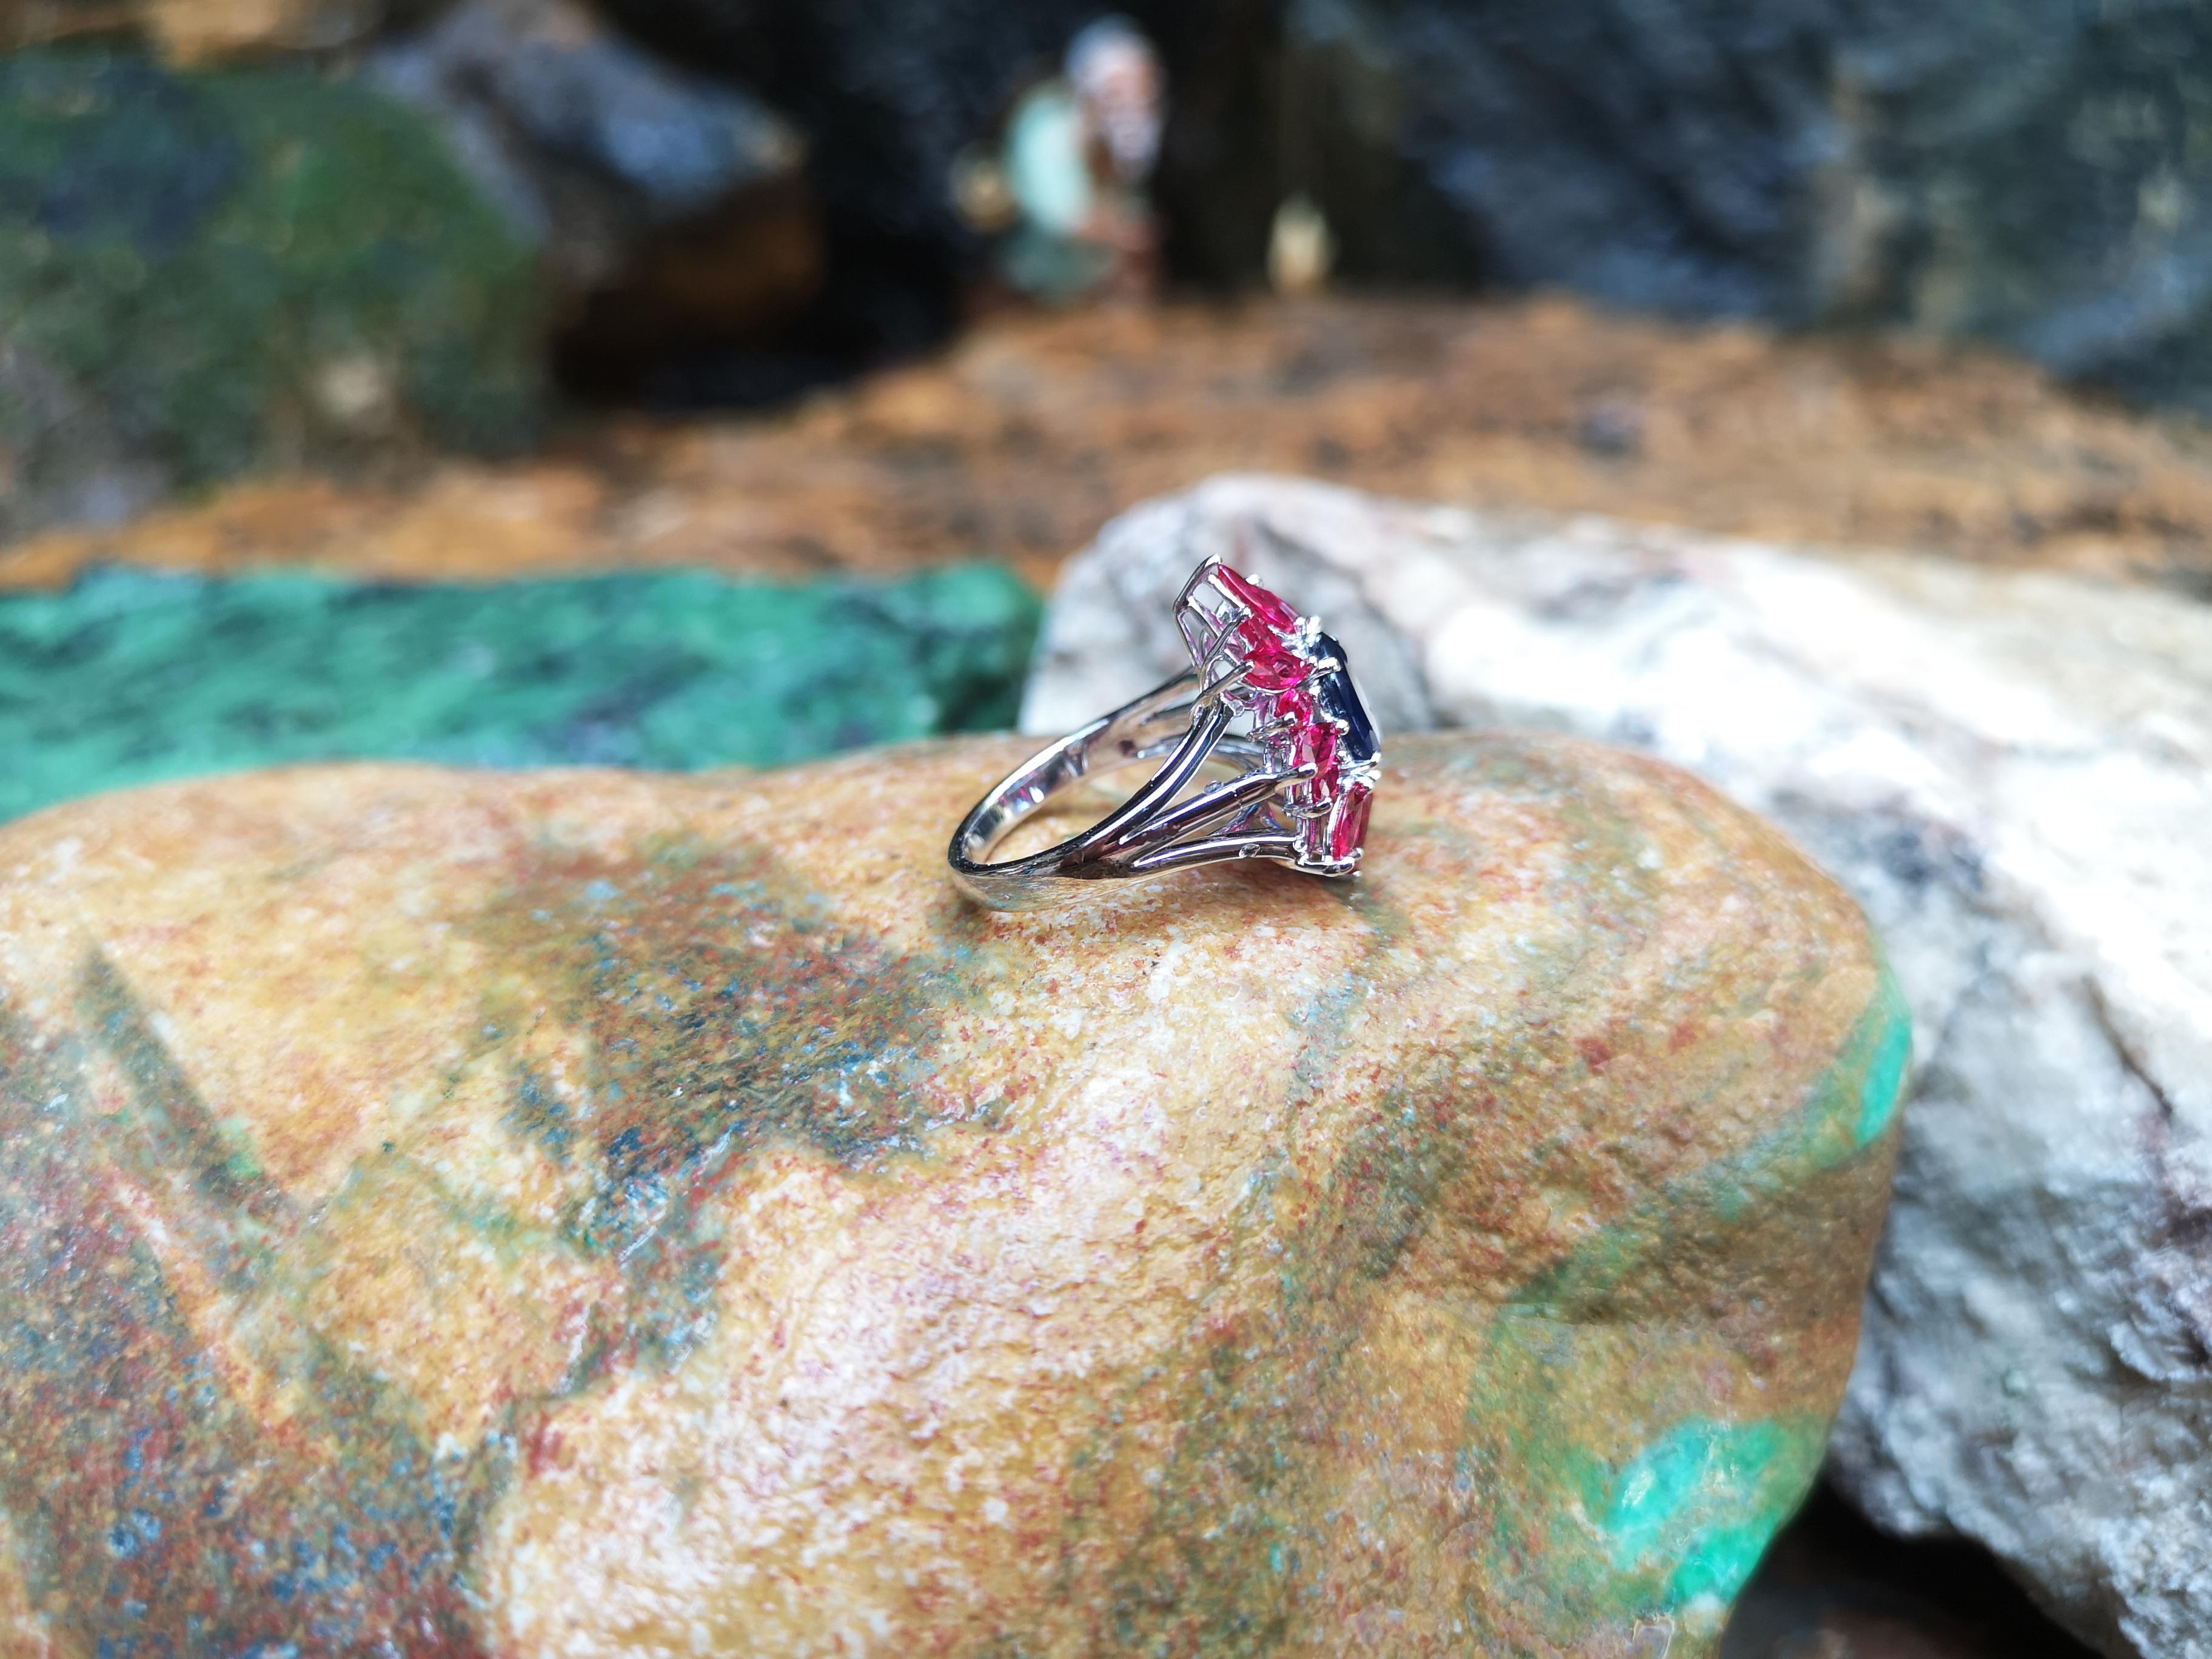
[1267, 691]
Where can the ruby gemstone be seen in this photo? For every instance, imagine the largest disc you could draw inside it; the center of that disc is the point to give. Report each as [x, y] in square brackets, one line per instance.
[1349, 833]
[1317, 743]
[1320, 718]
[1271, 666]
[1264, 605]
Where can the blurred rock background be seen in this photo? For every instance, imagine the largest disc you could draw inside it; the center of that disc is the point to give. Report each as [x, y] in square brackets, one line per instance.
[279, 232]
[333, 310]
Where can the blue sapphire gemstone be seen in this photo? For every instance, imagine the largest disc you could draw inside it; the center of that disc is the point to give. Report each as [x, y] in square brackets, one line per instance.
[1337, 697]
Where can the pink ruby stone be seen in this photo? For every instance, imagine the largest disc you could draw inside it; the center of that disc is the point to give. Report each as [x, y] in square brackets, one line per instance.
[1349, 833]
[1272, 668]
[1271, 664]
[1263, 605]
[1312, 738]
[1317, 743]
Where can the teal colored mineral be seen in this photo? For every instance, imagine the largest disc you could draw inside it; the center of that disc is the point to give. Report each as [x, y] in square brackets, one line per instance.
[130, 677]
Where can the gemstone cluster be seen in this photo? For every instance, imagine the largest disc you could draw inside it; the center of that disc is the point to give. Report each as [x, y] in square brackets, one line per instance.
[1305, 711]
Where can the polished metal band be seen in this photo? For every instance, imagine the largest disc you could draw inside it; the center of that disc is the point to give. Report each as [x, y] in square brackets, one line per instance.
[1150, 834]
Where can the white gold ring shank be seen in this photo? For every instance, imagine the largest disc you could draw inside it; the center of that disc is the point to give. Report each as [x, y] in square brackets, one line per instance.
[1152, 833]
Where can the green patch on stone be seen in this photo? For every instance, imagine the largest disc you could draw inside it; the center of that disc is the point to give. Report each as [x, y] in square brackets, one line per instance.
[1855, 1100]
[204, 273]
[1618, 1492]
[1699, 1505]
[1615, 1496]
[129, 678]
[1891, 1046]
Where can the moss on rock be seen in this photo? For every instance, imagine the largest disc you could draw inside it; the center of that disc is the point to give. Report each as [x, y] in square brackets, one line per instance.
[202, 274]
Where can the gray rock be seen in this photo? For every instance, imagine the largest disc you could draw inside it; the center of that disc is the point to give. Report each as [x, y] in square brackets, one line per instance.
[587, 142]
[2013, 772]
[2033, 171]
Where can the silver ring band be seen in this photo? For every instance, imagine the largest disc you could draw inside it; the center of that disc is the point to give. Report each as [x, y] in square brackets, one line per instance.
[1267, 691]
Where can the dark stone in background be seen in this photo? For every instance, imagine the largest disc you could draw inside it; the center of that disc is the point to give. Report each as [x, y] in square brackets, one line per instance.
[587, 142]
[2039, 171]
[670, 209]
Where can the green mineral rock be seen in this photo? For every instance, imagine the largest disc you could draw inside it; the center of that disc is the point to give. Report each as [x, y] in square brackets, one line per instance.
[129, 677]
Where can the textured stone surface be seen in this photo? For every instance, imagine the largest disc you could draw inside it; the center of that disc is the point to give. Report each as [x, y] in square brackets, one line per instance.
[1032, 433]
[2010, 771]
[129, 678]
[450, 1213]
[202, 274]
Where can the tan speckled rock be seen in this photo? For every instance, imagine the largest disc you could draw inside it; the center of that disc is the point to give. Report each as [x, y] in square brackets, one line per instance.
[592, 1214]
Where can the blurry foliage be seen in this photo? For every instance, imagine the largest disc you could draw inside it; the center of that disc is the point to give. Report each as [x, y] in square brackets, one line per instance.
[130, 677]
[229, 269]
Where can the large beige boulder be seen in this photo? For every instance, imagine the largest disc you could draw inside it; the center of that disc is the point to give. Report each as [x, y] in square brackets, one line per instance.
[583, 1213]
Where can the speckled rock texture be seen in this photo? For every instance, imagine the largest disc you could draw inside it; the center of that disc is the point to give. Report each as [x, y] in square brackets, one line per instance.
[445, 1213]
[209, 273]
[130, 677]
[2010, 771]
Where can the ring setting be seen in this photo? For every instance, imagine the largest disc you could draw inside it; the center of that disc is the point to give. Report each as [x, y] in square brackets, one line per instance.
[1269, 693]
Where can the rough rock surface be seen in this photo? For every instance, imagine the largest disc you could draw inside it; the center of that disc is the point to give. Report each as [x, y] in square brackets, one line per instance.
[452, 1214]
[131, 677]
[202, 274]
[2013, 772]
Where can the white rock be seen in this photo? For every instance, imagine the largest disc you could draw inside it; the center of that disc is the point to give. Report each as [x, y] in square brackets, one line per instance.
[2013, 773]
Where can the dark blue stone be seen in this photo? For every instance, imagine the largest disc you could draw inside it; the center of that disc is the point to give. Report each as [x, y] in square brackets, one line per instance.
[1338, 698]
